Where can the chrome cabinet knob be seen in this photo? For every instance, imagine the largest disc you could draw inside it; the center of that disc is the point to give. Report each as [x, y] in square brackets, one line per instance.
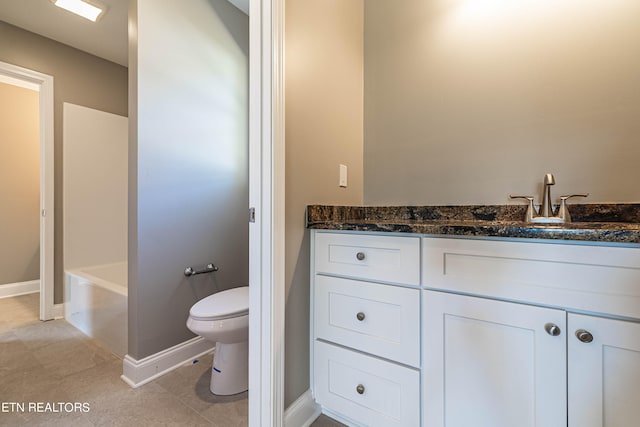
[552, 329]
[360, 389]
[360, 316]
[360, 256]
[584, 336]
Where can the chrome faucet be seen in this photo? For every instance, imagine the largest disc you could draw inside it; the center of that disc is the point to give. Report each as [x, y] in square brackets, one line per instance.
[545, 214]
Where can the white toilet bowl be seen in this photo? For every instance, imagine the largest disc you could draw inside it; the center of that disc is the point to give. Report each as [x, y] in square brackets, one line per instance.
[224, 319]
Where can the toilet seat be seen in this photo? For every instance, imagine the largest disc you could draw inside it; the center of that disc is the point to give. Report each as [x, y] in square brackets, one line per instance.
[222, 305]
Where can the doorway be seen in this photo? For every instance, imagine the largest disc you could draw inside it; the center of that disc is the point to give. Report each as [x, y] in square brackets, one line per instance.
[43, 84]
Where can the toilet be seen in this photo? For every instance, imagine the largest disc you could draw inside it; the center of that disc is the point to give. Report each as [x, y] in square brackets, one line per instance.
[223, 318]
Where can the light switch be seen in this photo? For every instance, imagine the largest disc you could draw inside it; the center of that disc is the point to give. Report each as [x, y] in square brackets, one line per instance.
[343, 176]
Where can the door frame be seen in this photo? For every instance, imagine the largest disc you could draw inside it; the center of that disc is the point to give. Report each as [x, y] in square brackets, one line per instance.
[43, 83]
[266, 196]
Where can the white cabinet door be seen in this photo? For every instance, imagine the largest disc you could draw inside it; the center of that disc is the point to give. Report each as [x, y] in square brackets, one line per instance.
[604, 374]
[492, 364]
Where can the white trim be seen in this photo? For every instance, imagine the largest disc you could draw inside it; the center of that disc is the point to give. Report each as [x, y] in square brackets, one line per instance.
[266, 195]
[58, 311]
[45, 84]
[302, 412]
[140, 372]
[20, 288]
[25, 84]
[312, 313]
[278, 297]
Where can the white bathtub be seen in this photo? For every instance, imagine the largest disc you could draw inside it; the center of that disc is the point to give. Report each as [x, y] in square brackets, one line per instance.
[96, 303]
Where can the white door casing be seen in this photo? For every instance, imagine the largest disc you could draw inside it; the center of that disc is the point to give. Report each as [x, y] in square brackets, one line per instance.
[266, 196]
[44, 85]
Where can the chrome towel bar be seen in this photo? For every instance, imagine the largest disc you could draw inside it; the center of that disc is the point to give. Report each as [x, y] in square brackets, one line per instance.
[210, 268]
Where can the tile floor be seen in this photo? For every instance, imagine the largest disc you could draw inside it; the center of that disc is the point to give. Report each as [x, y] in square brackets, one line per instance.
[54, 363]
[324, 421]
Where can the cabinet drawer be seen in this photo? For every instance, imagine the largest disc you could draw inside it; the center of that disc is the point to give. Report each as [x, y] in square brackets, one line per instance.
[363, 388]
[380, 319]
[599, 279]
[382, 258]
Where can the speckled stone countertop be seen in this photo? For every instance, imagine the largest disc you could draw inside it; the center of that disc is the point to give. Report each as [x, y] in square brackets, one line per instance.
[614, 223]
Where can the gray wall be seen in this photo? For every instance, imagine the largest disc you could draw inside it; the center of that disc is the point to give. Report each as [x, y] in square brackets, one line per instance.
[188, 162]
[79, 78]
[324, 48]
[19, 184]
[466, 103]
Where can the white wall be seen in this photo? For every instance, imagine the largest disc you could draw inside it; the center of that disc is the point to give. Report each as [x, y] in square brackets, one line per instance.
[468, 101]
[95, 186]
[188, 180]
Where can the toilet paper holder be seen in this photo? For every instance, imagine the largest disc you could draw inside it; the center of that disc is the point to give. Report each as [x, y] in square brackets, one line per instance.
[190, 271]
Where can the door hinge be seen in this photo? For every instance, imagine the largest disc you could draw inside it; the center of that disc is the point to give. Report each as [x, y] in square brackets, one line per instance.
[44, 213]
[252, 214]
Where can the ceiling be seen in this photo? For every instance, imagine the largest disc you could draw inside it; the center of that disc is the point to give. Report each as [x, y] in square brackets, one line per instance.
[106, 38]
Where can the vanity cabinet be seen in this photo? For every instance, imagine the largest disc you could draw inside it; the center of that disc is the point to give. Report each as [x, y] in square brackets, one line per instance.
[366, 327]
[413, 330]
[502, 364]
[493, 359]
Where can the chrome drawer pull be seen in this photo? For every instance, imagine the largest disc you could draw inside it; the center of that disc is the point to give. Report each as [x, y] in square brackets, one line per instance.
[360, 316]
[584, 336]
[552, 329]
[360, 389]
[360, 256]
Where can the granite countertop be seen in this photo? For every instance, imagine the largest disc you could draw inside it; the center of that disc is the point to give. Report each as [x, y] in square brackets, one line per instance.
[614, 223]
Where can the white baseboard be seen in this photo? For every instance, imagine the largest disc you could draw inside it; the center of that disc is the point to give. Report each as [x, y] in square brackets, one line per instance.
[139, 372]
[20, 288]
[302, 412]
[58, 311]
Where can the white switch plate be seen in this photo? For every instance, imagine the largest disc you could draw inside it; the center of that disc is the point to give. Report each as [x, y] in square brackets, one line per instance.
[343, 176]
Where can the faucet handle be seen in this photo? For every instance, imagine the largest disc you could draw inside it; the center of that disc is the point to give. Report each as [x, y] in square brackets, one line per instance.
[530, 198]
[573, 195]
[531, 209]
[563, 211]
